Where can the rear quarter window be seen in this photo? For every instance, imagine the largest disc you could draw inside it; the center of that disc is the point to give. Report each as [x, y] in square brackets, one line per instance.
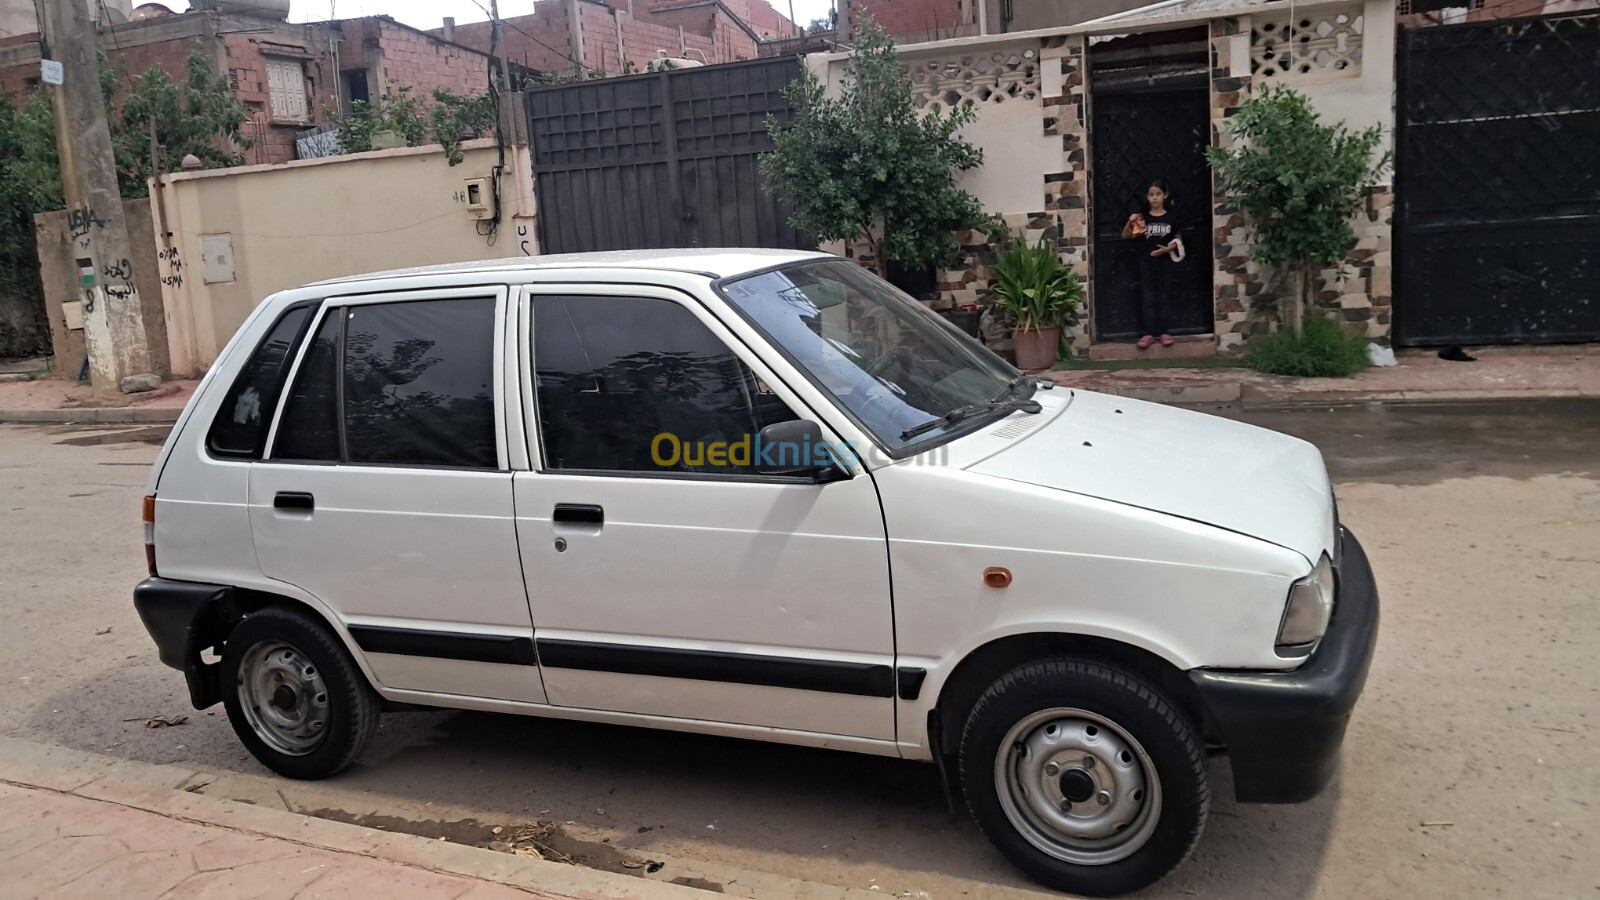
[239, 430]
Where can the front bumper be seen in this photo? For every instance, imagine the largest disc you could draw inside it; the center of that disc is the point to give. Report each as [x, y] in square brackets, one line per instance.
[1282, 730]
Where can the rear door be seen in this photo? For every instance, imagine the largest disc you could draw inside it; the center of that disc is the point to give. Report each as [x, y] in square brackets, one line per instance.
[386, 491]
[666, 575]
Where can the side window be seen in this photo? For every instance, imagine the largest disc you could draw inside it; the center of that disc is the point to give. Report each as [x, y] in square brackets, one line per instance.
[240, 429]
[616, 374]
[415, 380]
[418, 383]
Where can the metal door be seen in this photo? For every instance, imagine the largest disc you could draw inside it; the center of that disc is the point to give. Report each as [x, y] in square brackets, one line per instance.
[663, 160]
[1497, 230]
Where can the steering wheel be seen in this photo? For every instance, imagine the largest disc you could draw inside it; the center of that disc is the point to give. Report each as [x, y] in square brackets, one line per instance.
[898, 356]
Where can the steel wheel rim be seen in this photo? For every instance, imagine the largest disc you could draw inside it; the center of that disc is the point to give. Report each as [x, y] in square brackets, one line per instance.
[1077, 786]
[283, 697]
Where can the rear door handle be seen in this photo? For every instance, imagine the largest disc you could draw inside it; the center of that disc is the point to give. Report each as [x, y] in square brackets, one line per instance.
[298, 500]
[580, 514]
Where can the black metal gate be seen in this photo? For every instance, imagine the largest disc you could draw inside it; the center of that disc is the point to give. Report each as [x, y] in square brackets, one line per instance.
[1151, 119]
[1497, 180]
[661, 160]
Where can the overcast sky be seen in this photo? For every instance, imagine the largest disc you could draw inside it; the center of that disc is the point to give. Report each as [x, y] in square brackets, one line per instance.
[430, 13]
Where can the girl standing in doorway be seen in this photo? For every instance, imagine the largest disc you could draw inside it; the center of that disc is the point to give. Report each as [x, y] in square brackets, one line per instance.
[1158, 238]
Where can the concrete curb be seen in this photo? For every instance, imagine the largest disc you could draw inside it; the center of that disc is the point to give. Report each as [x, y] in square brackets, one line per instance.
[85, 775]
[125, 415]
[170, 791]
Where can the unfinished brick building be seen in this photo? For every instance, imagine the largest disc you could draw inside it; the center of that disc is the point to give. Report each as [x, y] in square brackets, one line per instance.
[568, 36]
[289, 77]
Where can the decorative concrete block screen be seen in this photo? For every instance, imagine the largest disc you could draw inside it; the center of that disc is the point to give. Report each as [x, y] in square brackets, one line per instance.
[1321, 44]
[943, 84]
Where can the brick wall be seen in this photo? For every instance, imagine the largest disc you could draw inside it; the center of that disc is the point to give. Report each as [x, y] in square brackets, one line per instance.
[416, 60]
[539, 41]
[914, 21]
[769, 24]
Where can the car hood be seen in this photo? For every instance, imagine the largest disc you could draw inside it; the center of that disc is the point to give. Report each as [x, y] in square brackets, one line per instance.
[1182, 463]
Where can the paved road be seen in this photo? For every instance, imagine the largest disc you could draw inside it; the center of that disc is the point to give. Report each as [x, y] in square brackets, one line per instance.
[1482, 711]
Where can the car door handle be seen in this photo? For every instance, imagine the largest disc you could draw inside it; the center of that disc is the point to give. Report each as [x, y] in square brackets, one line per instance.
[580, 514]
[298, 500]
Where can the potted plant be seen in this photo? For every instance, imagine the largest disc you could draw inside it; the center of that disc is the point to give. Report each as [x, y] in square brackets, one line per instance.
[1039, 293]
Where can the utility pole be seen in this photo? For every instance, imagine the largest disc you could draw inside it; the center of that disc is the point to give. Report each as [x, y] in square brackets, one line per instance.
[113, 317]
[498, 39]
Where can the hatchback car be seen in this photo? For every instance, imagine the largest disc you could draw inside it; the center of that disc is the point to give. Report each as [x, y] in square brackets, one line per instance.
[759, 494]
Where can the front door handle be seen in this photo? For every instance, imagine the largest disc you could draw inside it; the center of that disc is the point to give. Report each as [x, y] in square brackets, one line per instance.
[296, 500]
[580, 514]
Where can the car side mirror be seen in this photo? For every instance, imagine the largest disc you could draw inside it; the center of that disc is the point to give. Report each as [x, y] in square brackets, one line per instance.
[797, 448]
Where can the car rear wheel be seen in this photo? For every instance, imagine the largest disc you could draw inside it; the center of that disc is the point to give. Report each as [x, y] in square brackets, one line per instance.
[294, 696]
[1085, 776]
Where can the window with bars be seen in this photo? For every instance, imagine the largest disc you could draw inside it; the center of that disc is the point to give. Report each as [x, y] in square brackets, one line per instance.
[286, 87]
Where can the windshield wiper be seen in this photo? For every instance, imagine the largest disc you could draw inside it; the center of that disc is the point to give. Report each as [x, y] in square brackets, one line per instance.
[967, 412]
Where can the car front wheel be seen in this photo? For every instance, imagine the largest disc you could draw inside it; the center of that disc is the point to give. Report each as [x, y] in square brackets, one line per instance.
[294, 696]
[1085, 776]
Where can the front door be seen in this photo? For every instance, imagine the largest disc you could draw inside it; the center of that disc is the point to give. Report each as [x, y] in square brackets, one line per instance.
[666, 576]
[1147, 128]
[386, 492]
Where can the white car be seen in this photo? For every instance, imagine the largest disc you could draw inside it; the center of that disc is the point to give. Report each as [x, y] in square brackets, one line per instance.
[759, 494]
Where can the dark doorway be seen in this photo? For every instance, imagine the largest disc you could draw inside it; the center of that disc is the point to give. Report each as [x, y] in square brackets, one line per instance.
[354, 87]
[1497, 227]
[1151, 119]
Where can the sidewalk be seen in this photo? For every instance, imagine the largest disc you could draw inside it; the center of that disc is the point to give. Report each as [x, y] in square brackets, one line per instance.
[1500, 373]
[66, 831]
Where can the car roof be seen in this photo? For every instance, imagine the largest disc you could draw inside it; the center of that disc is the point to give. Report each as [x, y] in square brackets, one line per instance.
[708, 261]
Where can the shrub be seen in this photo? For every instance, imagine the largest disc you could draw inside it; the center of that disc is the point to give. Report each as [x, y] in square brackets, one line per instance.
[1033, 285]
[1321, 350]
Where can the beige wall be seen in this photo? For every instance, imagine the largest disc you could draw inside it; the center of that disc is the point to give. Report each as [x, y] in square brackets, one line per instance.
[316, 219]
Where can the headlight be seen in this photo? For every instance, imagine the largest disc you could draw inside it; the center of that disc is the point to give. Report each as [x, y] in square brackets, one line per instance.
[1305, 616]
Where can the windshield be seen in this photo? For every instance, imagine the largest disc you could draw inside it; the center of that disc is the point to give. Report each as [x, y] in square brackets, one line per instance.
[889, 361]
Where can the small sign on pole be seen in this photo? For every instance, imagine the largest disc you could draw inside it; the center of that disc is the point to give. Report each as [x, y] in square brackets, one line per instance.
[51, 71]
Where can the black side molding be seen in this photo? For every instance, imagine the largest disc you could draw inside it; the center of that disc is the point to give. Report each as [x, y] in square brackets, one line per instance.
[910, 679]
[858, 679]
[489, 648]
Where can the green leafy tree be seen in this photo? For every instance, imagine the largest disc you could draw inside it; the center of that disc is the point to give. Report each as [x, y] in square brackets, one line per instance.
[1299, 181]
[452, 118]
[867, 165]
[202, 117]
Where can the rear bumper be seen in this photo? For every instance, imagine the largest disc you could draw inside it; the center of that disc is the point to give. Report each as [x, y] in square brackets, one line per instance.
[1283, 730]
[177, 615]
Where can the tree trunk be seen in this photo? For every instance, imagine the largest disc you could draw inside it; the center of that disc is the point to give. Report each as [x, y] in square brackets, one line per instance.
[1302, 297]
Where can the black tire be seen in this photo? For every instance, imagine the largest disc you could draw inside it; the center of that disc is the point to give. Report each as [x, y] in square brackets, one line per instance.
[347, 708]
[1129, 703]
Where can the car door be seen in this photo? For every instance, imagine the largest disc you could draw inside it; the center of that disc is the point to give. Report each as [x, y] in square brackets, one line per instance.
[666, 576]
[386, 491]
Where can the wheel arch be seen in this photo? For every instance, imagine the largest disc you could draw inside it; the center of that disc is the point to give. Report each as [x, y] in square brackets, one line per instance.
[216, 620]
[981, 667]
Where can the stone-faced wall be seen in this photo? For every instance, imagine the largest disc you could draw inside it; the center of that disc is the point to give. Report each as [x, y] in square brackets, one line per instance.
[1246, 294]
[1062, 216]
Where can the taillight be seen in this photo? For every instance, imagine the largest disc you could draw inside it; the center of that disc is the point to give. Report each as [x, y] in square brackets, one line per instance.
[150, 533]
